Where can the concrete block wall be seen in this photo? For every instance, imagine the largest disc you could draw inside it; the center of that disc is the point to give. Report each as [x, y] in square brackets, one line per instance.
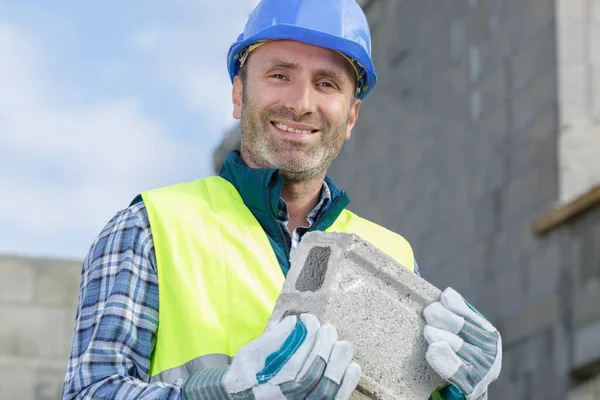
[588, 391]
[578, 36]
[581, 291]
[38, 299]
[456, 149]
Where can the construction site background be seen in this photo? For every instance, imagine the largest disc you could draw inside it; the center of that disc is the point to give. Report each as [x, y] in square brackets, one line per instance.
[481, 146]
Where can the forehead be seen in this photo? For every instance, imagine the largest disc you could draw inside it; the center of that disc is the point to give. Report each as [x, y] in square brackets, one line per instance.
[305, 55]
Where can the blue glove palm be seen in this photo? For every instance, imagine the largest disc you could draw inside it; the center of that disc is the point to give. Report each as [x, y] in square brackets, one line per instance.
[464, 348]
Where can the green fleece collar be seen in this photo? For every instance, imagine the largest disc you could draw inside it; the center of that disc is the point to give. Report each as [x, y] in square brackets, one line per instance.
[260, 190]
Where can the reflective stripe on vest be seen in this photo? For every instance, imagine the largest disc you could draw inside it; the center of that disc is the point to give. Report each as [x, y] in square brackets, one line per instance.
[218, 275]
[187, 369]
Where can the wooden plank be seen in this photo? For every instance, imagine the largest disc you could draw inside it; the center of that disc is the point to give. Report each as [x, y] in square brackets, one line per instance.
[564, 213]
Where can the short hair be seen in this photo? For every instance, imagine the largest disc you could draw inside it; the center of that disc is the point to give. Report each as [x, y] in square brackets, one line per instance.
[243, 73]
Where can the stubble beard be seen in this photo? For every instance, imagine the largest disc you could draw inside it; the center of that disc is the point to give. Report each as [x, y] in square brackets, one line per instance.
[297, 162]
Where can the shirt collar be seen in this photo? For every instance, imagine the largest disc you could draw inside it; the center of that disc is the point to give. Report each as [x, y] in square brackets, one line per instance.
[320, 208]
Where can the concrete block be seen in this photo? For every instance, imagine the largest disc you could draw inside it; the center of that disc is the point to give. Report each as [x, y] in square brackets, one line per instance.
[595, 6]
[477, 23]
[594, 43]
[574, 10]
[16, 280]
[579, 161]
[488, 168]
[509, 288]
[548, 384]
[495, 119]
[486, 215]
[534, 98]
[525, 153]
[539, 316]
[596, 88]
[585, 391]
[573, 84]
[57, 274]
[536, 55]
[586, 346]
[572, 41]
[31, 378]
[532, 353]
[493, 88]
[545, 270]
[507, 387]
[526, 20]
[517, 198]
[36, 332]
[374, 302]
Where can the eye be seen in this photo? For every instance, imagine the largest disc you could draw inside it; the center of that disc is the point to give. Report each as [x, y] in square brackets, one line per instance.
[326, 84]
[278, 76]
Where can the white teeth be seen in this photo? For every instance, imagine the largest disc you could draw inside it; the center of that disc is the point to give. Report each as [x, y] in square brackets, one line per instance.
[287, 128]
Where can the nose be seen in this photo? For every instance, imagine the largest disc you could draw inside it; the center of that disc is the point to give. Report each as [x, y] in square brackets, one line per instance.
[301, 100]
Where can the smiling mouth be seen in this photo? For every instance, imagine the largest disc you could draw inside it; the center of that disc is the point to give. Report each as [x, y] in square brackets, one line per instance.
[284, 127]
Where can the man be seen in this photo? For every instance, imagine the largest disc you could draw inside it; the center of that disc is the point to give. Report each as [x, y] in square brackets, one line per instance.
[186, 277]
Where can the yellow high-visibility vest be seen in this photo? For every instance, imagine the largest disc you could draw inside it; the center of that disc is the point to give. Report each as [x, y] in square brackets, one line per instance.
[218, 276]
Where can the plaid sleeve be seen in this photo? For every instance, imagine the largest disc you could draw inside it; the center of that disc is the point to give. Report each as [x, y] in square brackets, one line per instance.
[416, 267]
[117, 315]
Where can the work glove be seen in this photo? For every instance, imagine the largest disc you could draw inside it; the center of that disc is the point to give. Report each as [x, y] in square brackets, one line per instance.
[464, 348]
[297, 359]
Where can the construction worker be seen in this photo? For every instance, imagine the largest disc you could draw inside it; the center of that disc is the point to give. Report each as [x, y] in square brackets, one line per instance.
[177, 289]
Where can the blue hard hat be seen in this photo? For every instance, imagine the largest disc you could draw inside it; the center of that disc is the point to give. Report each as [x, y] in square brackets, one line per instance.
[339, 25]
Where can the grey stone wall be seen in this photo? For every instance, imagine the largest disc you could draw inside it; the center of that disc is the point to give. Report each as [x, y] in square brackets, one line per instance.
[456, 149]
[38, 299]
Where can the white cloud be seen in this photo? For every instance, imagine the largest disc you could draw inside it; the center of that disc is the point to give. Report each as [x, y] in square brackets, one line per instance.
[192, 56]
[65, 169]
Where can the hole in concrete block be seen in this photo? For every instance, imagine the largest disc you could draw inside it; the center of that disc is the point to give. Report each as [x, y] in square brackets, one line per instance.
[313, 273]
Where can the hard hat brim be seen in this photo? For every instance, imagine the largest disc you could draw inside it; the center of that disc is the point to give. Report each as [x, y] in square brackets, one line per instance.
[292, 32]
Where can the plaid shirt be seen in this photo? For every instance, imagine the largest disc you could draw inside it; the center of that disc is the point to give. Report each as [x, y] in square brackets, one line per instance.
[117, 317]
[292, 239]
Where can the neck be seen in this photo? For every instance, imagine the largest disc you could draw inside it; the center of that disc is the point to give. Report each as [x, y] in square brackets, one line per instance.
[301, 198]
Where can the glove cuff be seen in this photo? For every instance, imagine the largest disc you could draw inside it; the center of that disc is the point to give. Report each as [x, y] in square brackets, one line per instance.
[206, 384]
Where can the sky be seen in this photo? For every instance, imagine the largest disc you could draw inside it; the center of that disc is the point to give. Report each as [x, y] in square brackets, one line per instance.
[100, 101]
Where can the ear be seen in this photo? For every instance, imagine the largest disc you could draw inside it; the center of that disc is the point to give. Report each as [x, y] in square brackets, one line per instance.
[352, 117]
[236, 97]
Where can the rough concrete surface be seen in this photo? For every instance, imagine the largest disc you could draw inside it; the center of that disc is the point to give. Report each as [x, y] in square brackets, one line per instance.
[38, 301]
[374, 303]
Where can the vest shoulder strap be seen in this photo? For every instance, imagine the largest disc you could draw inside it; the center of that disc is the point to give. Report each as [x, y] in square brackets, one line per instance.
[391, 243]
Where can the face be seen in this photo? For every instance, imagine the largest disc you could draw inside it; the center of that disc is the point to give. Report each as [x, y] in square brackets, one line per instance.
[297, 107]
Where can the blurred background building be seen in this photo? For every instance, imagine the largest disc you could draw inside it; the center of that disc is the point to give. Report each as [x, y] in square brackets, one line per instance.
[481, 145]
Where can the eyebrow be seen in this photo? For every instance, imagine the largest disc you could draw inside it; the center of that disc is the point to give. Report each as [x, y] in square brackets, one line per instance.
[336, 76]
[278, 63]
[329, 73]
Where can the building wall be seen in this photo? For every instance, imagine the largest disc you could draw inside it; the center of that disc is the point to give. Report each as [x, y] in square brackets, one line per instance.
[457, 150]
[38, 299]
[578, 53]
